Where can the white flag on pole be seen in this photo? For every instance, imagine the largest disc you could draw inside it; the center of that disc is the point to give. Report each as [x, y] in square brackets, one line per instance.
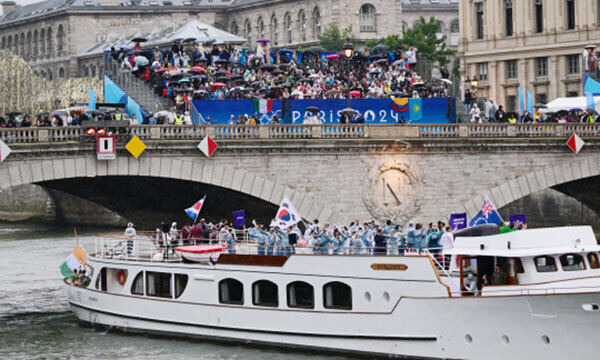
[286, 215]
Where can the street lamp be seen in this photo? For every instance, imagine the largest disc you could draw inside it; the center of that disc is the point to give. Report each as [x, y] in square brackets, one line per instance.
[348, 48]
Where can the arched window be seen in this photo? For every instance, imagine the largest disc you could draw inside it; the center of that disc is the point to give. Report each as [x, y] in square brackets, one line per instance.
[60, 39]
[337, 295]
[454, 27]
[9, 43]
[231, 291]
[3, 44]
[61, 73]
[264, 293]
[260, 28]
[86, 72]
[316, 23]
[93, 70]
[137, 287]
[50, 75]
[367, 18]
[35, 43]
[545, 263]
[302, 24]
[43, 74]
[43, 42]
[287, 24]
[300, 295]
[235, 29]
[593, 260]
[181, 281]
[274, 30]
[248, 31]
[28, 52]
[572, 262]
[404, 26]
[49, 49]
[21, 50]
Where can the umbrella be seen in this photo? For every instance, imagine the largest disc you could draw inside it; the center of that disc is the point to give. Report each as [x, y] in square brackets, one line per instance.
[590, 46]
[223, 79]
[218, 84]
[161, 70]
[312, 109]
[177, 39]
[419, 84]
[397, 62]
[540, 106]
[13, 113]
[267, 67]
[190, 39]
[562, 112]
[199, 77]
[139, 39]
[591, 111]
[447, 81]
[198, 68]
[256, 83]
[235, 77]
[381, 61]
[277, 72]
[375, 71]
[140, 61]
[286, 51]
[123, 47]
[237, 88]
[263, 40]
[315, 49]
[380, 47]
[575, 110]
[155, 67]
[184, 80]
[306, 80]
[220, 73]
[396, 94]
[184, 90]
[314, 76]
[331, 93]
[222, 62]
[373, 57]
[332, 57]
[349, 111]
[264, 90]
[355, 93]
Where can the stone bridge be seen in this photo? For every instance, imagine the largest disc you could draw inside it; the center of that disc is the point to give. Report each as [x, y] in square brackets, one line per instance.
[330, 172]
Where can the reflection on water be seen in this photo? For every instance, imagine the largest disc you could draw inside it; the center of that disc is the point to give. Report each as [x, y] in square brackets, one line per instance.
[35, 321]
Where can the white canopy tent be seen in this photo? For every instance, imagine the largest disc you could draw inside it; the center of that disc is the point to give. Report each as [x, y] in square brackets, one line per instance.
[568, 104]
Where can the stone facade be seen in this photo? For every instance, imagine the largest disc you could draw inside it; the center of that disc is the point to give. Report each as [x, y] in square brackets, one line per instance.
[534, 44]
[50, 35]
[340, 181]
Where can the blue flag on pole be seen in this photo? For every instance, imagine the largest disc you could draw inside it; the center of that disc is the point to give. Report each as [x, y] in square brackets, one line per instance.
[91, 99]
[521, 101]
[487, 215]
[416, 109]
[529, 102]
[589, 97]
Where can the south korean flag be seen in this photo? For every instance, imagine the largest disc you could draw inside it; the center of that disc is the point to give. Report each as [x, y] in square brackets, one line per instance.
[286, 215]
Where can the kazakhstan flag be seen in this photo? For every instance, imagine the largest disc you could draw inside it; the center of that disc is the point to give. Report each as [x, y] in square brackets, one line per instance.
[416, 109]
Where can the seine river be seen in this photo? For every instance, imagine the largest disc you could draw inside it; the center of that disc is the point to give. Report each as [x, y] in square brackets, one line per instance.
[35, 321]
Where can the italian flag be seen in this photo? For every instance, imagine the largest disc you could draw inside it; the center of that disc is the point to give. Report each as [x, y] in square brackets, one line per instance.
[263, 106]
[77, 258]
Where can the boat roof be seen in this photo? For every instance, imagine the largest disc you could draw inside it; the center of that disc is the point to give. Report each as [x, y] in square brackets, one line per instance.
[529, 242]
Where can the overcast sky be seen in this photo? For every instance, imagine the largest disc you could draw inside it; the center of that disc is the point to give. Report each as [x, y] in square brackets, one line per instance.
[24, 2]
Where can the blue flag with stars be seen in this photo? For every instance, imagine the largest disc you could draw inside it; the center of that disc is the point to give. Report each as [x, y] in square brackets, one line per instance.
[487, 215]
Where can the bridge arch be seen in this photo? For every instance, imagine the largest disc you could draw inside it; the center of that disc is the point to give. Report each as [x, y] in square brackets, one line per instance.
[561, 173]
[16, 172]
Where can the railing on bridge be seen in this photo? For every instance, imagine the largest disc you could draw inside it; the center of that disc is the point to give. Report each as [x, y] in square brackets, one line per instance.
[327, 131]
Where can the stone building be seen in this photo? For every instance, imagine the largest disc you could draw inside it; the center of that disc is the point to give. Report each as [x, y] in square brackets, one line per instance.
[535, 44]
[50, 35]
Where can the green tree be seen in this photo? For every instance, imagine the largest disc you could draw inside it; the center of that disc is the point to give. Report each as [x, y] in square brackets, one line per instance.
[424, 37]
[333, 39]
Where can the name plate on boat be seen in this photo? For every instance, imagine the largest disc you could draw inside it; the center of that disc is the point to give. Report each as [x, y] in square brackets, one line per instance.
[400, 267]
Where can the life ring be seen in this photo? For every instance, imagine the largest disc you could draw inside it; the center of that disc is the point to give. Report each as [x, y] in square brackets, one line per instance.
[121, 277]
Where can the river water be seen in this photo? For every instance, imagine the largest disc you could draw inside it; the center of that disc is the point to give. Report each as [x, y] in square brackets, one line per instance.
[35, 321]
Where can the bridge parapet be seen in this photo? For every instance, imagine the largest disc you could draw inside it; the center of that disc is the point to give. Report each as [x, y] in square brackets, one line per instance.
[327, 131]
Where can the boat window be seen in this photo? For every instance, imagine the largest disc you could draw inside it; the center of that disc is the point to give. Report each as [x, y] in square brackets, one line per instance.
[519, 266]
[180, 284]
[158, 284]
[593, 260]
[231, 291]
[264, 293]
[572, 262]
[137, 288]
[337, 295]
[300, 295]
[545, 263]
[101, 280]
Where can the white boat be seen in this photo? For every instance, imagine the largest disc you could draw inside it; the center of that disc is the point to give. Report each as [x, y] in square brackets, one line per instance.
[399, 306]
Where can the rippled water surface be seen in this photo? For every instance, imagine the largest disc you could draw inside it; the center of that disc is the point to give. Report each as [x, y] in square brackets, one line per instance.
[35, 321]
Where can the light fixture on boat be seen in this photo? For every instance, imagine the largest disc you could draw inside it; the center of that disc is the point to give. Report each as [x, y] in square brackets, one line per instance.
[481, 246]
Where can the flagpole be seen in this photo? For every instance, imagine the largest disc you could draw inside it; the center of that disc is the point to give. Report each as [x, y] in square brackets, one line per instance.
[76, 238]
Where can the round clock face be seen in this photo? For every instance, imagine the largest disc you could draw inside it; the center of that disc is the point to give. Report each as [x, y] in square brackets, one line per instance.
[394, 192]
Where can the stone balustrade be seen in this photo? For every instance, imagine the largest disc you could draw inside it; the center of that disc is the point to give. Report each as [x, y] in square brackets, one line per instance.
[328, 131]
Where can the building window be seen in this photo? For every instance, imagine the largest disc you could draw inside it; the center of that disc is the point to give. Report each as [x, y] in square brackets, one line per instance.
[264, 293]
[572, 93]
[316, 16]
[482, 71]
[42, 42]
[512, 71]
[287, 23]
[454, 27]
[248, 31]
[545, 263]
[274, 30]
[511, 103]
[572, 262]
[60, 39]
[367, 18]
[260, 27]
[541, 66]
[538, 10]
[337, 295]
[302, 24]
[181, 281]
[479, 20]
[231, 291]
[158, 284]
[235, 29]
[137, 288]
[541, 98]
[570, 14]
[49, 49]
[508, 18]
[573, 64]
[593, 260]
[300, 295]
